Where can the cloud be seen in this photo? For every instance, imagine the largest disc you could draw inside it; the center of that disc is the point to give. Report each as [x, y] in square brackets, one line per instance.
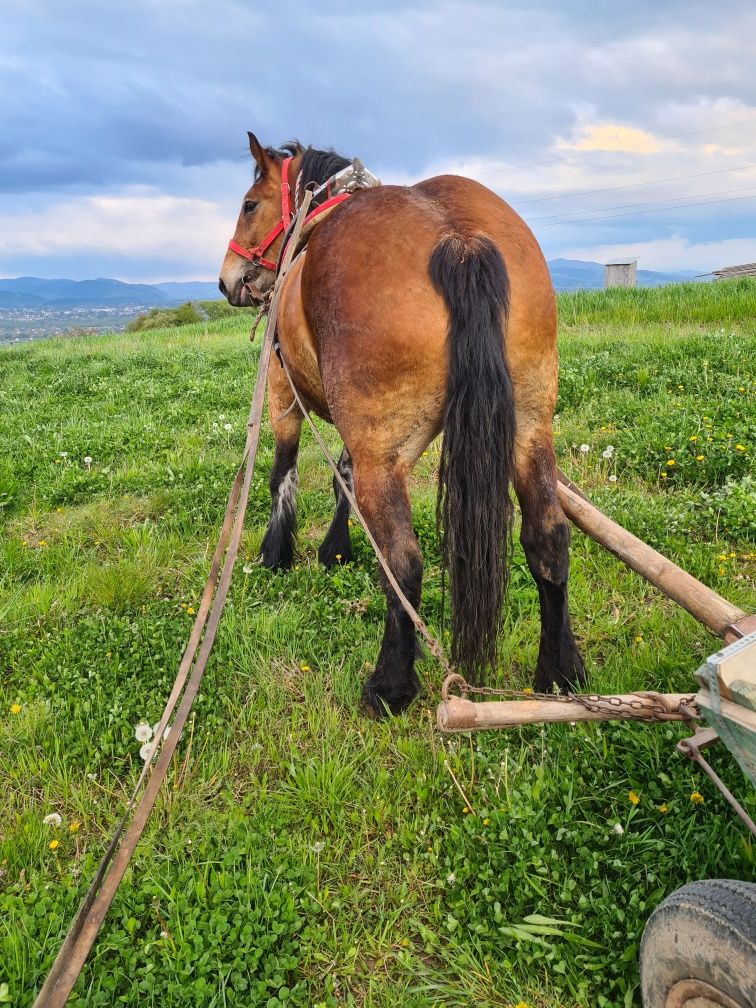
[537, 102]
[132, 224]
[612, 137]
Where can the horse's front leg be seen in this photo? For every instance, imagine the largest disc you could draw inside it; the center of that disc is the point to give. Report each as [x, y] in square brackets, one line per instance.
[278, 545]
[337, 546]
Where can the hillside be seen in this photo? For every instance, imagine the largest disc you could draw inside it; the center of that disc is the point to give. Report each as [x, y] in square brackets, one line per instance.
[31, 292]
[302, 855]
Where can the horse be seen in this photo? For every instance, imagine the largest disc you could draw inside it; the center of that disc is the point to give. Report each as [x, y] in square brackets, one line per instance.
[415, 311]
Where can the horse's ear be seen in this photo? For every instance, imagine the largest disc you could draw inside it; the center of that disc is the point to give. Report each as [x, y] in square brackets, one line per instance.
[259, 153]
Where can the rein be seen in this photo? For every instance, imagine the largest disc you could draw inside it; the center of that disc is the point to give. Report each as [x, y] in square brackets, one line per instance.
[85, 926]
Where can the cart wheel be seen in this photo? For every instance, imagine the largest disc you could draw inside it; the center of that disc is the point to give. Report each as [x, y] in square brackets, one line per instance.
[699, 948]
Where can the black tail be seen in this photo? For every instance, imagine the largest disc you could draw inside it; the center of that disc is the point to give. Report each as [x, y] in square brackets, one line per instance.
[474, 510]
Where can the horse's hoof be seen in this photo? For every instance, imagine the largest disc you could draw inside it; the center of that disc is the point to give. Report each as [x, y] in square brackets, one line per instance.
[566, 676]
[329, 555]
[384, 703]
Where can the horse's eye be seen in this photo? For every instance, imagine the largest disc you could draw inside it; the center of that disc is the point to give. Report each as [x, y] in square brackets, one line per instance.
[249, 206]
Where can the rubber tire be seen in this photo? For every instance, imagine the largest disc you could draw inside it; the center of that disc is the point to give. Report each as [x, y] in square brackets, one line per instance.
[704, 931]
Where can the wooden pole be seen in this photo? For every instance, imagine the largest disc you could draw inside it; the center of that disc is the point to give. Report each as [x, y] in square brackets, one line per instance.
[701, 602]
[459, 714]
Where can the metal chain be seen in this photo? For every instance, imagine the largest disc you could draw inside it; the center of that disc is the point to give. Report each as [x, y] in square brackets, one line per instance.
[655, 707]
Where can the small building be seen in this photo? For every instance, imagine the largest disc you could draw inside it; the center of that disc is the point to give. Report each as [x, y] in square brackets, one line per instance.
[728, 272]
[620, 273]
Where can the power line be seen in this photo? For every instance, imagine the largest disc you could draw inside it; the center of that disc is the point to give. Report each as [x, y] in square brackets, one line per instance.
[652, 203]
[640, 213]
[677, 136]
[634, 185]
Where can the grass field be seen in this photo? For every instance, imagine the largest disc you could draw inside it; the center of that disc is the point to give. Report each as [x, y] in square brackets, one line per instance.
[302, 855]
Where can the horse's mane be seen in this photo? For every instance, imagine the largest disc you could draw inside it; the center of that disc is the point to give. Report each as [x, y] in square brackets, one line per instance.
[317, 165]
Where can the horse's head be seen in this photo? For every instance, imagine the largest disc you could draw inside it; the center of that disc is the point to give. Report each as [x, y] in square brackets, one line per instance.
[248, 269]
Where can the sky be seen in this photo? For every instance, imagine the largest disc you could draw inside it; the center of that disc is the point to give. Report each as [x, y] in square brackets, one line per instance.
[614, 130]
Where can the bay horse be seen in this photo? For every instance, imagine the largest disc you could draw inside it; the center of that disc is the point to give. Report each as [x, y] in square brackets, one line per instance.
[416, 310]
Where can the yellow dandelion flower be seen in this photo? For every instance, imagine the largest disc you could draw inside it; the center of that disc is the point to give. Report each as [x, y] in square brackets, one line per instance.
[465, 809]
[740, 447]
[74, 827]
[671, 462]
[522, 1004]
[632, 797]
[663, 809]
[663, 475]
[528, 689]
[486, 822]
[721, 556]
[721, 571]
[638, 638]
[338, 556]
[693, 437]
[54, 844]
[190, 610]
[304, 668]
[699, 458]
[696, 798]
[15, 708]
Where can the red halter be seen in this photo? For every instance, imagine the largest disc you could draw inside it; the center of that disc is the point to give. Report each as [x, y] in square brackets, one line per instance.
[255, 254]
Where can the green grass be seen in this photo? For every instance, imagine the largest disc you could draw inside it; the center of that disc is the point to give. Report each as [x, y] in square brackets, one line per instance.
[299, 854]
[722, 302]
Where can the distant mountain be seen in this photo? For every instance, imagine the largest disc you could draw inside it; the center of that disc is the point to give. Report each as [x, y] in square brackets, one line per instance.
[574, 274]
[37, 292]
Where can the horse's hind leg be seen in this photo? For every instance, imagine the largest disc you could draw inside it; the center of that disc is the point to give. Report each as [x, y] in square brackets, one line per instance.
[383, 499]
[545, 537]
[278, 545]
[337, 545]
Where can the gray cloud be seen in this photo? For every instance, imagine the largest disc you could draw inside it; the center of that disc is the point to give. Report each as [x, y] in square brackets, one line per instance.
[100, 98]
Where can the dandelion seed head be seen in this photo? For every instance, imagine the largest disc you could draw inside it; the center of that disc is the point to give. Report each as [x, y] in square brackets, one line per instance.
[52, 819]
[618, 828]
[143, 732]
[584, 448]
[146, 751]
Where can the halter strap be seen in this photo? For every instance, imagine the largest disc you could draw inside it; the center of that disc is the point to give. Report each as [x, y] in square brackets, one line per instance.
[255, 254]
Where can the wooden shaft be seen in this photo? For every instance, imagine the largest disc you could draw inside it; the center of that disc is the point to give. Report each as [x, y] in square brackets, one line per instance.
[701, 602]
[457, 714]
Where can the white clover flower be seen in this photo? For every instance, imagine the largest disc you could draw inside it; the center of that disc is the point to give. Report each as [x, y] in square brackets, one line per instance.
[584, 448]
[248, 568]
[53, 819]
[451, 878]
[618, 829]
[143, 732]
[227, 427]
[146, 751]
[612, 478]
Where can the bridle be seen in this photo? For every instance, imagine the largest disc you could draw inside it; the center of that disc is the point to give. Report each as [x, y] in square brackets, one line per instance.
[288, 213]
[255, 254]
